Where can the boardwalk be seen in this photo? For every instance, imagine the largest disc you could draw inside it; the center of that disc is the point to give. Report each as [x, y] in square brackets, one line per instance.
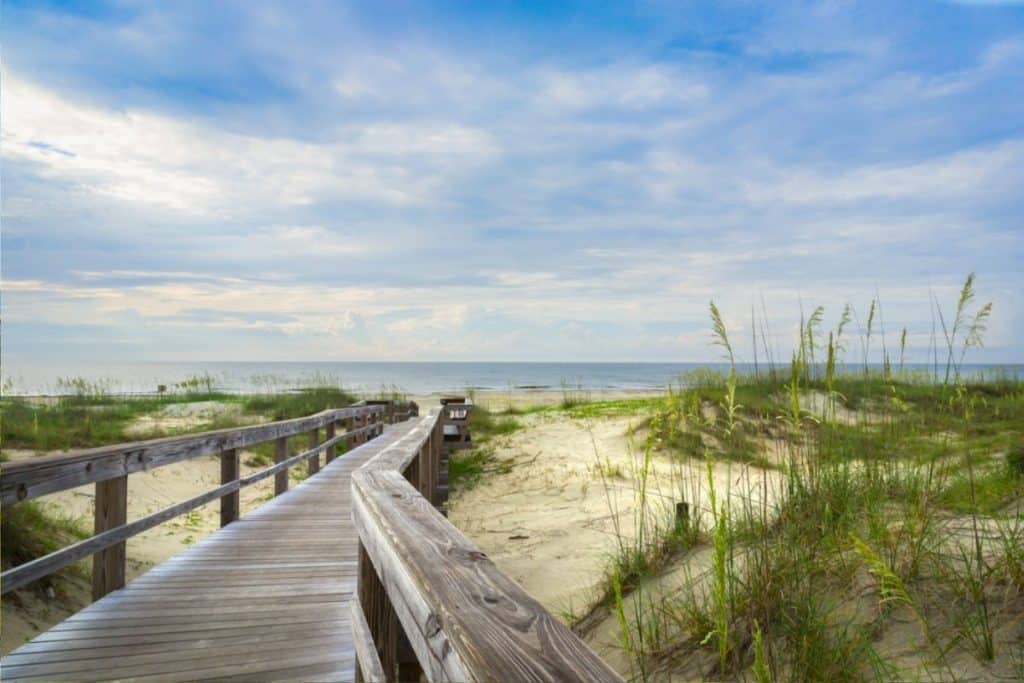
[265, 598]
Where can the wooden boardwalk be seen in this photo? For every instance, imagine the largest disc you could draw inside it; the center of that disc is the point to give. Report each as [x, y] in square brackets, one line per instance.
[265, 598]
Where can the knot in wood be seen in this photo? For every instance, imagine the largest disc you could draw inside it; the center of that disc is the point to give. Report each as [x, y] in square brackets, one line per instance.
[434, 625]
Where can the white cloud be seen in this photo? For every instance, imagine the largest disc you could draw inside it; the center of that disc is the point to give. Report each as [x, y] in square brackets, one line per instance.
[163, 163]
[620, 86]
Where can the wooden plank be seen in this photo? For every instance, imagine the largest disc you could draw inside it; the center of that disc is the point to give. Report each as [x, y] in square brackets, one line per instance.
[369, 668]
[265, 598]
[110, 511]
[464, 618]
[25, 573]
[30, 478]
[103, 542]
[230, 503]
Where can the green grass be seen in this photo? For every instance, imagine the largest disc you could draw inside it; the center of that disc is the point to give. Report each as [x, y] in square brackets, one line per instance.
[907, 483]
[30, 530]
[467, 467]
[485, 425]
[88, 420]
[287, 406]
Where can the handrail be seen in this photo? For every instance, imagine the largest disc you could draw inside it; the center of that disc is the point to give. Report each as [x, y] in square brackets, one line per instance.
[433, 603]
[108, 467]
[30, 478]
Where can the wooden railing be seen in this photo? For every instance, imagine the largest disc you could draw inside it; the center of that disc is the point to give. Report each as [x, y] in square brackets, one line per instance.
[109, 467]
[428, 601]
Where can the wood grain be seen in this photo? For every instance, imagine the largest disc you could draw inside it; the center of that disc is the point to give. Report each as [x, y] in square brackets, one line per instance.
[230, 503]
[265, 598]
[110, 512]
[30, 478]
[15, 578]
[370, 669]
[465, 619]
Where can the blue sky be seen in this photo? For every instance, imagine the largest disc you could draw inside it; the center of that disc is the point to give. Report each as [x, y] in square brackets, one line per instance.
[501, 181]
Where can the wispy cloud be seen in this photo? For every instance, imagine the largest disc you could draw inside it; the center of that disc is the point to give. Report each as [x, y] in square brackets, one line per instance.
[339, 182]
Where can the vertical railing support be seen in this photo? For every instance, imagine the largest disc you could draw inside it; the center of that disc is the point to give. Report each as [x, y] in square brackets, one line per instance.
[331, 450]
[349, 424]
[230, 504]
[380, 616]
[280, 455]
[314, 441]
[111, 510]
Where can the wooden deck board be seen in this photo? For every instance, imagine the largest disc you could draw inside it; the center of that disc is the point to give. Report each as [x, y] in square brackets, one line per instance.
[265, 598]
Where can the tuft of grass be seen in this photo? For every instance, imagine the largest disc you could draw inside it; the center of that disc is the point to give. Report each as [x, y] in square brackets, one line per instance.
[31, 530]
[573, 396]
[298, 403]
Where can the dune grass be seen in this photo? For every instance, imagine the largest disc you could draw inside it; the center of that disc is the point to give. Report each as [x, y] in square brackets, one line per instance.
[30, 530]
[93, 418]
[889, 499]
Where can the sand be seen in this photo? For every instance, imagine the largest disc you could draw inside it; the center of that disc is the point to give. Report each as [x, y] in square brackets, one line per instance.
[550, 520]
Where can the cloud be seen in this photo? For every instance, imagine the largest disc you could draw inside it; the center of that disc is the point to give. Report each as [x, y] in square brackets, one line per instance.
[345, 182]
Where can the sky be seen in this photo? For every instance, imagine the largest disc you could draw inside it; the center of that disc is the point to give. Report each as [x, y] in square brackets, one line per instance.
[502, 181]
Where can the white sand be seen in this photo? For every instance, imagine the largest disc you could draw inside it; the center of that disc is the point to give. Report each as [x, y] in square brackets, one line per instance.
[550, 522]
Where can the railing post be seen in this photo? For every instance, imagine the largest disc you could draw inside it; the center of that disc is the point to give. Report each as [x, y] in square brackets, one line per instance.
[111, 510]
[330, 449]
[230, 509]
[314, 462]
[280, 455]
[380, 615]
[353, 425]
[435, 466]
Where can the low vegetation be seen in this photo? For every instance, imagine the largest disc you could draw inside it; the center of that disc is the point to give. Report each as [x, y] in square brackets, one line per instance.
[91, 417]
[30, 530]
[465, 468]
[884, 539]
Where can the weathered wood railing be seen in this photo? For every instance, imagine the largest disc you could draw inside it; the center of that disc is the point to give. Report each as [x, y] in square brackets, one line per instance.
[108, 468]
[428, 601]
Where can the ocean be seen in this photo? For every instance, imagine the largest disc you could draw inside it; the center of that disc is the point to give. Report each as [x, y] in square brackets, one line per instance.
[372, 376]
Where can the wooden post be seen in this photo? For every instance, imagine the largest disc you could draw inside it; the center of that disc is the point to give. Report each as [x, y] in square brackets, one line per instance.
[280, 455]
[682, 513]
[346, 426]
[230, 509]
[314, 462]
[330, 449]
[380, 614]
[111, 510]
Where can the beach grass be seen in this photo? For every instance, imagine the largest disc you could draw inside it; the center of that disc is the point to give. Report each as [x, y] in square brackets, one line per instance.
[889, 519]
